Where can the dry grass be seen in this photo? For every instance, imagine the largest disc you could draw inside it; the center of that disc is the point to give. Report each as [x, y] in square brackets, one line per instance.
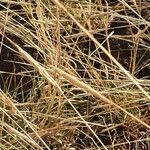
[79, 60]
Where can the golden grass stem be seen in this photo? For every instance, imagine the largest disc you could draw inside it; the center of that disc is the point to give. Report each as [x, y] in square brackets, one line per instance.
[103, 49]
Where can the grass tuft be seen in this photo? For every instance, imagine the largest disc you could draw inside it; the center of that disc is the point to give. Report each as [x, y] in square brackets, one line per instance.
[74, 74]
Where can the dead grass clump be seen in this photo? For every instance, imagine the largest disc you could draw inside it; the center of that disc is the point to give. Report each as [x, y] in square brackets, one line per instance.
[74, 75]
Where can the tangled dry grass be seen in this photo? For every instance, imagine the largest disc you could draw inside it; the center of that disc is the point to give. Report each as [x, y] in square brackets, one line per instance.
[74, 74]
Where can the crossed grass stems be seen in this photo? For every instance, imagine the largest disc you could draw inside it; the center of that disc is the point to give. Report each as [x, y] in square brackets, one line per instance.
[25, 124]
